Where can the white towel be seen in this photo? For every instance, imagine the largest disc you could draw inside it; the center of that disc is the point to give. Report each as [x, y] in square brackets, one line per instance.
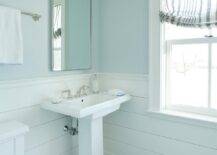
[11, 40]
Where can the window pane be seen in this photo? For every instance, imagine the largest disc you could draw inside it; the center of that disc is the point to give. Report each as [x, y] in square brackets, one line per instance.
[214, 77]
[188, 75]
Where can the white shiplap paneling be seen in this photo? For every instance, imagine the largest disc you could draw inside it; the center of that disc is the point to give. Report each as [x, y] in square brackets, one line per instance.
[133, 125]
[119, 148]
[21, 99]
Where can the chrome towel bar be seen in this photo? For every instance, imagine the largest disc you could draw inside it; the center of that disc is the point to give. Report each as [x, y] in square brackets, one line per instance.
[34, 16]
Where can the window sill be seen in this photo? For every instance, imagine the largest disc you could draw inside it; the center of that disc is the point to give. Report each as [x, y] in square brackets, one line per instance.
[186, 118]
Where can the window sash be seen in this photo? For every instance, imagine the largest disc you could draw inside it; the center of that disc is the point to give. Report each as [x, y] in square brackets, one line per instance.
[191, 109]
[185, 108]
[192, 41]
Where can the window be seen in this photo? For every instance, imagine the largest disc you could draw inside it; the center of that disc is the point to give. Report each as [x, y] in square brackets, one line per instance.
[190, 69]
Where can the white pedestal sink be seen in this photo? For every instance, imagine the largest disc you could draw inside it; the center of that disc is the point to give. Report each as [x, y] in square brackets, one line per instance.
[90, 111]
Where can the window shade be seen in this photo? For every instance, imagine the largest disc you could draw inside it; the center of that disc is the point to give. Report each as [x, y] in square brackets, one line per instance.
[189, 13]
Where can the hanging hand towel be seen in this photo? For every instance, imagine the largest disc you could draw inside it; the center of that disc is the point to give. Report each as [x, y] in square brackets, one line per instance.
[11, 41]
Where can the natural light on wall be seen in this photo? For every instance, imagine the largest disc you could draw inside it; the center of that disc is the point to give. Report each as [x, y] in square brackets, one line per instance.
[190, 61]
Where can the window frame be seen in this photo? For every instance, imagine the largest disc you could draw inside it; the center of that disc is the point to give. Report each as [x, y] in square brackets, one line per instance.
[155, 54]
[184, 108]
[157, 72]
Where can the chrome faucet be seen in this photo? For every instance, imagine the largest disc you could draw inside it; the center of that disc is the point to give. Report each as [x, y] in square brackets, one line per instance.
[83, 91]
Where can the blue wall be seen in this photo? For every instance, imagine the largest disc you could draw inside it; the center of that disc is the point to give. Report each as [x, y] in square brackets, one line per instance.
[35, 35]
[123, 36]
[36, 43]
[78, 54]
[120, 38]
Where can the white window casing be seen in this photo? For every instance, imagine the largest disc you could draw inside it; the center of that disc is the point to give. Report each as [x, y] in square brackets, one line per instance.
[154, 56]
[157, 65]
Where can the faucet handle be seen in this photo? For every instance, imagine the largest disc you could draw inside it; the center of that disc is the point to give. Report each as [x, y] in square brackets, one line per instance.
[83, 91]
[86, 90]
[65, 94]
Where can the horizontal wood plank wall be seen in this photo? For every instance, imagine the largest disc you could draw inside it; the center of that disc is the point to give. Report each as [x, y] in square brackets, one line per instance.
[132, 130]
[21, 100]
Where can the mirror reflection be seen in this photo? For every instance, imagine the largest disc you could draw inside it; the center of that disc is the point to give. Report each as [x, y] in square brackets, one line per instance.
[71, 35]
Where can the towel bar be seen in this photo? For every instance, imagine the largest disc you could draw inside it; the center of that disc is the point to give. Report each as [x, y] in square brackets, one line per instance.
[34, 16]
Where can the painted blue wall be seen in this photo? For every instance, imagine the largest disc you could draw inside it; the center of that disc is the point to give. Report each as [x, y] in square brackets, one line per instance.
[123, 36]
[120, 38]
[78, 54]
[35, 35]
[36, 43]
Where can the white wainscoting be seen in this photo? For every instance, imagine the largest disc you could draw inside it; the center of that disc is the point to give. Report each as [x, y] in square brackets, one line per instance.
[132, 130]
[20, 100]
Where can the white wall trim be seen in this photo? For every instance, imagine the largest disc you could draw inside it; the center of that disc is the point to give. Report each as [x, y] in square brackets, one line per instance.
[43, 80]
[154, 56]
[124, 76]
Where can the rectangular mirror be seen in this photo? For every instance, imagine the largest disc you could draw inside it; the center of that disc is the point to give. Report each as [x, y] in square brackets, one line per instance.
[71, 35]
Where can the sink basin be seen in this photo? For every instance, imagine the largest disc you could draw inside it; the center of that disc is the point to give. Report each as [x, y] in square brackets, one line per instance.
[97, 105]
[90, 111]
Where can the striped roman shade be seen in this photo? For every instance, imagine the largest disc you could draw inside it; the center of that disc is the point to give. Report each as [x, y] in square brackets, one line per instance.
[190, 13]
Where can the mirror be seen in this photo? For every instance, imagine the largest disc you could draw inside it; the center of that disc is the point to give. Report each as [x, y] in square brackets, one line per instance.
[71, 35]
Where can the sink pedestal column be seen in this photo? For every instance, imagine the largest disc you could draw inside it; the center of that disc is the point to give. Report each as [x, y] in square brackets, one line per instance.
[90, 136]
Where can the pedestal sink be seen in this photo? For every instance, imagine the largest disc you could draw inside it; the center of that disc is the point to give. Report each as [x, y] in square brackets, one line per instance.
[90, 111]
